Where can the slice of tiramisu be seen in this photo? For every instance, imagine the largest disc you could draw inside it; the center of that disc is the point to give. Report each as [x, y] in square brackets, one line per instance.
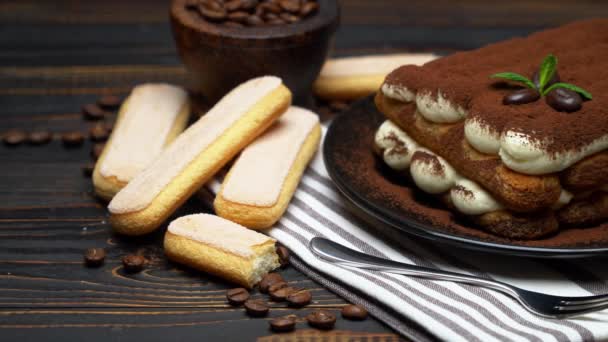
[513, 135]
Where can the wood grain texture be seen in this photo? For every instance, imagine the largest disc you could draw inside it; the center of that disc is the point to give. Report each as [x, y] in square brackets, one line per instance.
[56, 56]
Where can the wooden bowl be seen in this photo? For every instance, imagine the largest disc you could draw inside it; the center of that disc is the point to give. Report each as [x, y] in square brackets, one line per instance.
[218, 58]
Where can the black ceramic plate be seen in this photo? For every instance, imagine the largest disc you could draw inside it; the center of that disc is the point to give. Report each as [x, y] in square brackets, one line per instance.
[391, 198]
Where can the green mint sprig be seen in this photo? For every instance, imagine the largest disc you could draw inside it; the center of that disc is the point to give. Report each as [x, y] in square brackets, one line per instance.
[545, 74]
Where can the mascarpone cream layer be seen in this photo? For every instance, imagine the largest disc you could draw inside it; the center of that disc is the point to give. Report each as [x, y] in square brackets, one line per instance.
[518, 151]
[258, 175]
[431, 173]
[149, 114]
[142, 190]
[371, 65]
[219, 233]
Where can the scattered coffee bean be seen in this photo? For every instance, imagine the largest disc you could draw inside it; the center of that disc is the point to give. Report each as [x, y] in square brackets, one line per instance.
[238, 16]
[279, 292]
[237, 296]
[536, 80]
[14, 137]
[97, 150]
[564, 100]
[98, 132]
[213, 4]
[109, 101]
[522, 96]
[92, 112]
[232, 5]
[283, 254]
[133, 263]
[276, 22]
[72, 139]
[269, 280]
[256, 307]
[249, 4]
[321, 319]
[354, 312]
[270, 16]
[94, 257]
[88, 169]
[271, 7]
[299, 298]
[309, 8]
[39, 137]
[233, 24]
[283, 324]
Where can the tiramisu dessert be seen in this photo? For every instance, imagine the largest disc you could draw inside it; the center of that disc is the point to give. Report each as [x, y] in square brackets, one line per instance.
[512, 136]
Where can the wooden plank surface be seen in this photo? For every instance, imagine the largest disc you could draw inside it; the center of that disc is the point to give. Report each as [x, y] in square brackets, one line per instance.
[56, 56]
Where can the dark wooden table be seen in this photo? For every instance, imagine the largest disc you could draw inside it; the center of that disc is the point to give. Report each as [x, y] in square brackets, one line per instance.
[56, 56]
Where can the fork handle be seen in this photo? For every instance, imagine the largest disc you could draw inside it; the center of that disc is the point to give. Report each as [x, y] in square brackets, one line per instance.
[340, 254]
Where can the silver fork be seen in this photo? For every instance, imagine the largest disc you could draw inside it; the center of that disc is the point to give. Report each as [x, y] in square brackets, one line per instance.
[538, 303]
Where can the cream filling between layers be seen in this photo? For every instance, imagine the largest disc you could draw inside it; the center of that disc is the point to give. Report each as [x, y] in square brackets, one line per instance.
[219, 233]
[142, 190]
[518, 151]
[434, 174]
[258, 175]
[149, 115]
[371, 65]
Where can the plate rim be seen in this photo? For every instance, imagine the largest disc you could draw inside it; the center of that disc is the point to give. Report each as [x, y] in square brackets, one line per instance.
[445, 238]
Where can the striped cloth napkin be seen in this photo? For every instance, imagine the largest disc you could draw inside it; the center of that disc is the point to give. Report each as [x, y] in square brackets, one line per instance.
[422, 309]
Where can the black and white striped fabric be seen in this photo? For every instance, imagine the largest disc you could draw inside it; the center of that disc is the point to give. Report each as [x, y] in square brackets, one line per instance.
[445, 310]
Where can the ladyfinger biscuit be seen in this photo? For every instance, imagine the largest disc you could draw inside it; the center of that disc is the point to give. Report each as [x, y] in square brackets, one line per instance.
[197, 154]
[352, 78]
[259, 186]
[222, 248]
[150, 118]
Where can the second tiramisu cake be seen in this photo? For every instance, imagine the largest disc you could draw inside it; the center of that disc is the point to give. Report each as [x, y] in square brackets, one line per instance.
[513, 136]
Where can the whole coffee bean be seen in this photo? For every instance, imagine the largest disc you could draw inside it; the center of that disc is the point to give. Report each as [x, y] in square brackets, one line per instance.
[269, 280]
[256, 307]
[109, 101]
[98, 132]
[72, 139]
[284, 255]
[92, 112]
[94, 257]
[133, 263]
[522, 96]
[564, 100]
[321, 319]
[97, 150]
[354, 312]
[283, 324]
[212, 14]
[279, 293]
[309, 8]
[232, 5]
[299, 298]
[213, 4]
[14, 137]
[39, 137]
[248, 4]
[254, 20]
[289, 18]
[536, 80]
[88, 169]
[270, 16]
[292, 6]
[238, 16]
[270, 7]
[237, 296]
[276, 22]
[191, 4]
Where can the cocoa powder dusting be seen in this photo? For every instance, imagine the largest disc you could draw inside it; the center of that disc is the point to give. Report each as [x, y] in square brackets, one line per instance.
[435, 166]
[367, 176]
[464, 78]
[464, 191]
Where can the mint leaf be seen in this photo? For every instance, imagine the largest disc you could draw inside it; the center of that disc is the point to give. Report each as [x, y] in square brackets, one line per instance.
[511, 76]
[572, 87]
[547, 70]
